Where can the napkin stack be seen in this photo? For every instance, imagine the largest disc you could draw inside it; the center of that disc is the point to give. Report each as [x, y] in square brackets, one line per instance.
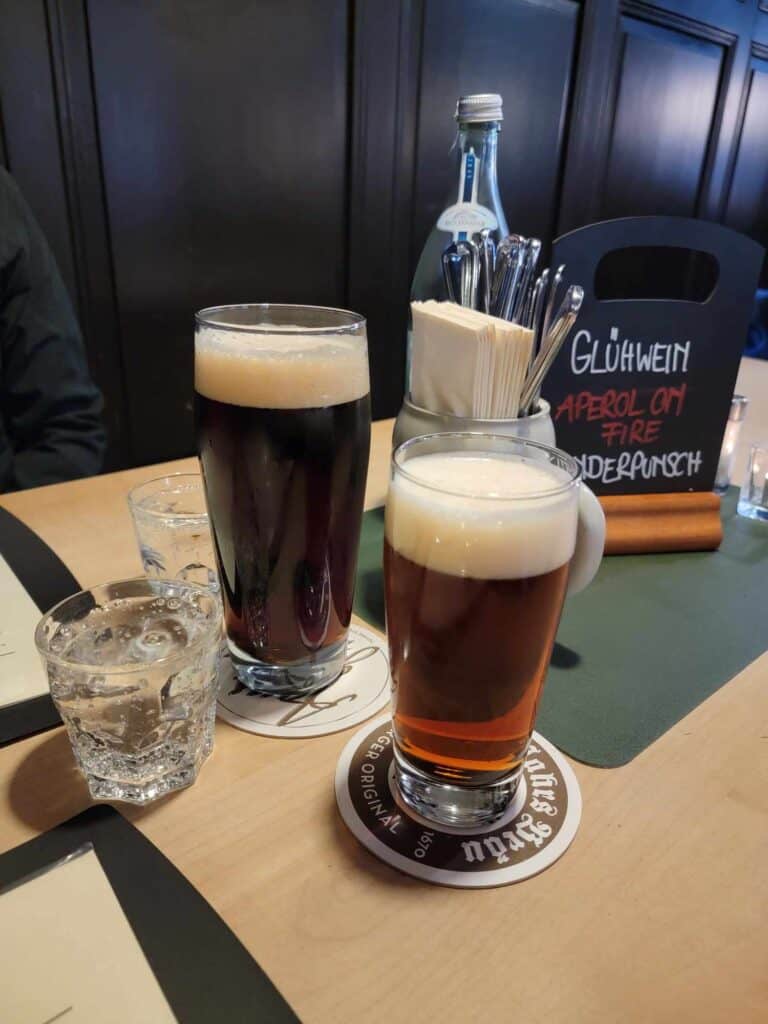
[467, 363]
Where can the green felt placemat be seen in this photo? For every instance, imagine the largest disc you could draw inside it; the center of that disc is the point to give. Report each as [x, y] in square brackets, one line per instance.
[649, 640]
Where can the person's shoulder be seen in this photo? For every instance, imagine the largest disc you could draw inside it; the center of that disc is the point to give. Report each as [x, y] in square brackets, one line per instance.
[10, 193]
[7, 184]
[14, 216]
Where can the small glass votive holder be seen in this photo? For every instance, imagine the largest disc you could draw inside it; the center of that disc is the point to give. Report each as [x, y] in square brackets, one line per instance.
[728, 450]
[132, 669]
[753, 500]
[170, 519]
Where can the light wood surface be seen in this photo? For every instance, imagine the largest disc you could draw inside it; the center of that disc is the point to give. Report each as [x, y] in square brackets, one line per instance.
[658, 912]
[643, 523]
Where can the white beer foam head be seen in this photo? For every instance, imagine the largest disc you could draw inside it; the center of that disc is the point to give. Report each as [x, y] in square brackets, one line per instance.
[280, 370]
[514, 531]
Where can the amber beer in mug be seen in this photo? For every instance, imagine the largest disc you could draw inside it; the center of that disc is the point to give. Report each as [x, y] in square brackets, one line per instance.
[480, 550]
[283, 428]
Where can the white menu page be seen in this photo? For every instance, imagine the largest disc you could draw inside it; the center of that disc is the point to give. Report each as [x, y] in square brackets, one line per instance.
[69, 954]
[21, 671]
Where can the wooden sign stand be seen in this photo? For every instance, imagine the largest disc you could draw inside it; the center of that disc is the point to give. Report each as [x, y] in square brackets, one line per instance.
[638, 523]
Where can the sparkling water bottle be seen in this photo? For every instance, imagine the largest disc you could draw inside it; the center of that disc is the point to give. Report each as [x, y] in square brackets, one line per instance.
[474, 203]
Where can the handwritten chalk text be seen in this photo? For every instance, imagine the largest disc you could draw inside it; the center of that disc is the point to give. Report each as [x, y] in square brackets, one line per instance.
[614, 405]
[590, 355]
[634, 465]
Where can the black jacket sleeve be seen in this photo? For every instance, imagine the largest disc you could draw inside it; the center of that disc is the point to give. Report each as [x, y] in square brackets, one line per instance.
[50, 409]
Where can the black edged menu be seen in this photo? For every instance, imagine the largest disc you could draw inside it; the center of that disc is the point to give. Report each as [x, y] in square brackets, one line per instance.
[204, 971]
[47, 581]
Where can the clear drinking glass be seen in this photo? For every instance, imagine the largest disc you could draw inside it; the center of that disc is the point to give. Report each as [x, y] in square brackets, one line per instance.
[283, 427]
[480, 549]
[736, 417]
[170, 520]
[753, 499]
[132, 670]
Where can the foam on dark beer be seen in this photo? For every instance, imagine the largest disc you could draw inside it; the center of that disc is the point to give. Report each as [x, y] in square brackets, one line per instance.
[517, 530]
[279, 371]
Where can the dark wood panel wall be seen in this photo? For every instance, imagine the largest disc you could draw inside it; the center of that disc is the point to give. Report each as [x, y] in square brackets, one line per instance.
[183, 155]
[224, 153]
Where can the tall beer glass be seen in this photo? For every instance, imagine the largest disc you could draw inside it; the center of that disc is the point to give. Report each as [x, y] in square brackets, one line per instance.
[480, 549]
[283, 428]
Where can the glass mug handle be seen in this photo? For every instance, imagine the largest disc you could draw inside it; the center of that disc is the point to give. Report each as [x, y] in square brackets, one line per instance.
[590, 541]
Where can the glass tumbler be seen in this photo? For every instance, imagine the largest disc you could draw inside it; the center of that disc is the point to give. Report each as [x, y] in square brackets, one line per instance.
[753, 498]
[170, 521]
[132, 670]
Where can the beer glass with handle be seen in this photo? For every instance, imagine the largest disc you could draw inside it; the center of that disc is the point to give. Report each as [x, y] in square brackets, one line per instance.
[283, 428]
[484, 536]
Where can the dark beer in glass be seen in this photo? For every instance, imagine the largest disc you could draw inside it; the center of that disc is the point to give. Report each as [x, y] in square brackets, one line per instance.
[283, 428]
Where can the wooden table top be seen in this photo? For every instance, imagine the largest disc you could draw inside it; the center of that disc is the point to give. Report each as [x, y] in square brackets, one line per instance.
[658, 912]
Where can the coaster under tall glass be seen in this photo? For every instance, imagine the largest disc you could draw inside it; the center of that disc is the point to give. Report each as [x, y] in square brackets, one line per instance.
[480, 549]
[283, 427]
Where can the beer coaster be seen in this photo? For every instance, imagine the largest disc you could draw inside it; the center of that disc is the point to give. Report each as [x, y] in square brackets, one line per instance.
[536, 830]
[360, 692]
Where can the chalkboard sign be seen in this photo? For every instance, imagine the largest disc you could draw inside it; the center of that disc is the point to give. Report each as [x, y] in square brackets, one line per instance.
[641, 390]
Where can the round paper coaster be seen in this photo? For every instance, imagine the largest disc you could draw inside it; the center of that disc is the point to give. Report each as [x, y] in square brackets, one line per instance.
[360, 691]
[538, 828]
